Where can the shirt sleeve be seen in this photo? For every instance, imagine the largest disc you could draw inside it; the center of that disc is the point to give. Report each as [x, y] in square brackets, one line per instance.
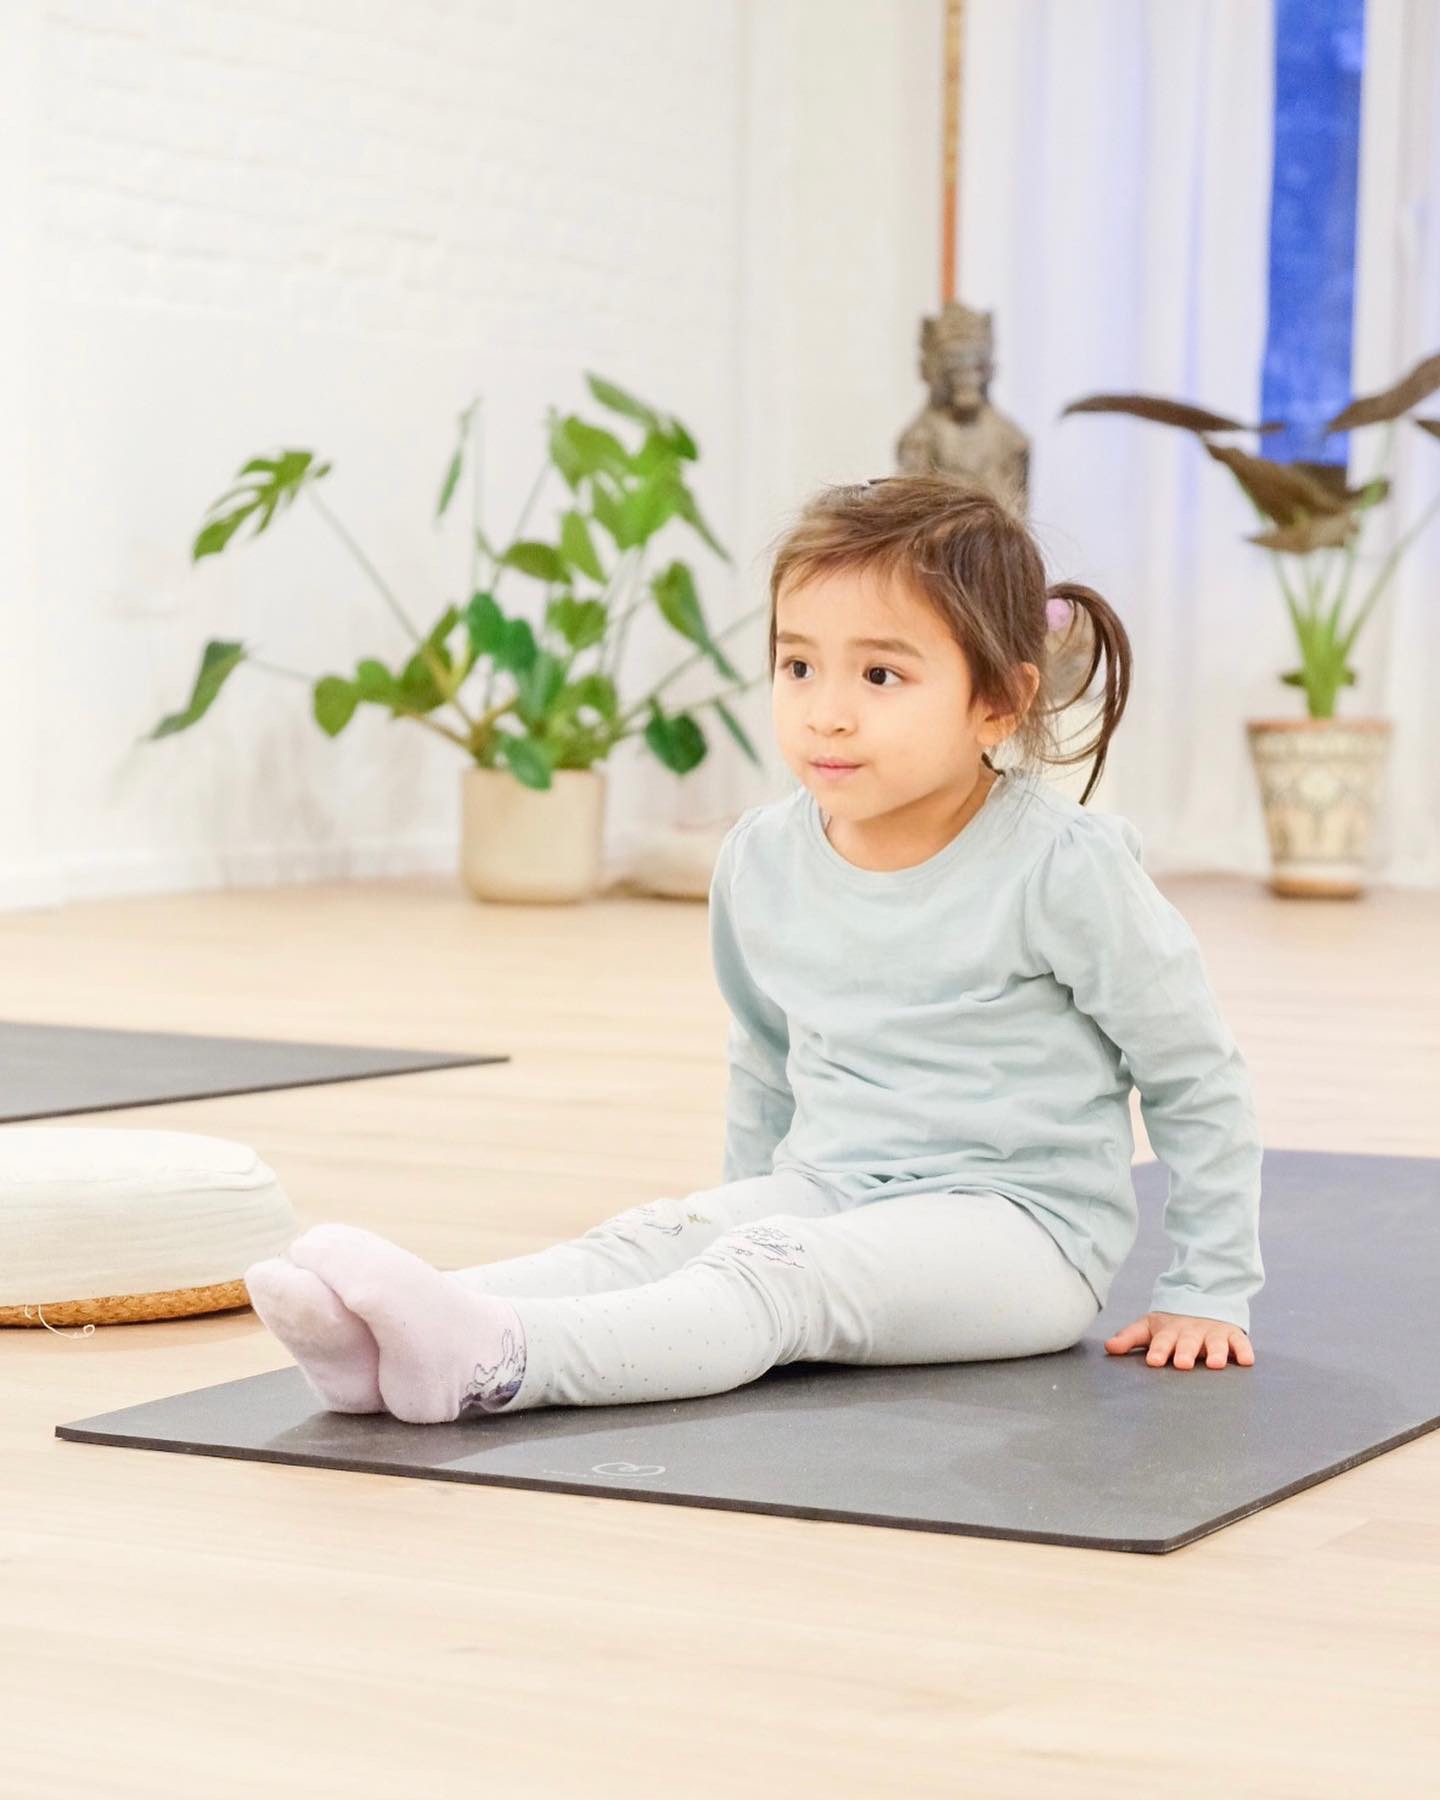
[759, 1104]
[1134, 966]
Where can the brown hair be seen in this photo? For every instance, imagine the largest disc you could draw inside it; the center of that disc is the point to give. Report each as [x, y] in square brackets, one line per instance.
[971, 555]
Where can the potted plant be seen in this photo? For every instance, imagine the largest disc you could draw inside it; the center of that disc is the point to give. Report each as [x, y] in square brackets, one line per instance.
[1318, 775]
[532, 793]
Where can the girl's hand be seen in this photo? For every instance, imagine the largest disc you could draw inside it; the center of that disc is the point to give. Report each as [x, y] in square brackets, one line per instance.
[1165, 1332]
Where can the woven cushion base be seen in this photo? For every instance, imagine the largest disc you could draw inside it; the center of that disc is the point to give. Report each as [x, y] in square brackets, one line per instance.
[130, 1309]
[114, 1226]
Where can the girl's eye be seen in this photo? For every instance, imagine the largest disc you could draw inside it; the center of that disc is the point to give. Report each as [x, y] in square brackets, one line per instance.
[790, 664]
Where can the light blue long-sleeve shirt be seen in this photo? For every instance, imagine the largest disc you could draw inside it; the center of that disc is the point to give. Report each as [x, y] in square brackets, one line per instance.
[976, 1022]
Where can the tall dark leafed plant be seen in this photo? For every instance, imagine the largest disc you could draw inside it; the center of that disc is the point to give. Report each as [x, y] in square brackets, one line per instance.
[1311, 516]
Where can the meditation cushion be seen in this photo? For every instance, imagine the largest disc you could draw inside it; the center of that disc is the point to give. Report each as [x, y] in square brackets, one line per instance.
[103, 1227]
[676, 861]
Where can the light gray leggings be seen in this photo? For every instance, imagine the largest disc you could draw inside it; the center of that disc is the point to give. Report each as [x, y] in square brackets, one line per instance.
[681, 1297]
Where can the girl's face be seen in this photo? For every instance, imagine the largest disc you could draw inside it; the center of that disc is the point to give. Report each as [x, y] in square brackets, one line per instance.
[900, 711]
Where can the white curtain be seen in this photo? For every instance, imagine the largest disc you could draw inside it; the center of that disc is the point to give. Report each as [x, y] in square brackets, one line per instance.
[1115, 214]
[1397, 322]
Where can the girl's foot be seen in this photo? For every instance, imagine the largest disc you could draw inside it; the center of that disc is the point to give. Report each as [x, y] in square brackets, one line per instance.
[337, 1352]
[444, 1351]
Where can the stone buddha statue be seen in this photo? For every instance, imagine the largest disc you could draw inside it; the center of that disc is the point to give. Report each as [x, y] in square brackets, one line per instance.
[959, 432]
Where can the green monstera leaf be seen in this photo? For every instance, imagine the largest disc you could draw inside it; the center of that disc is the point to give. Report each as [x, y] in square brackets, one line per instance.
[580, 622]
[416, 689]
[278, 481]
[510, 643]
[537, 686]
[665, 430]
[579, 450]
[578, 547]
[737, 731]
[674, 590]
[542, 561]
[677, 740]
[527, 760]
[457, 459]
[218, 663]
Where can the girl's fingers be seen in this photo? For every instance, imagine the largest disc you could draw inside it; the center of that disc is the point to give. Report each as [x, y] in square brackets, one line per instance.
[1186, 1343]
[1161, 1345]
[1191, 1343]
[1218, 1349]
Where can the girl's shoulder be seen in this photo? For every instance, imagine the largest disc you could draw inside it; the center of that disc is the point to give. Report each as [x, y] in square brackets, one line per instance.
[1037, 817]
[768, 820]
[1057, 812]
[770, 815]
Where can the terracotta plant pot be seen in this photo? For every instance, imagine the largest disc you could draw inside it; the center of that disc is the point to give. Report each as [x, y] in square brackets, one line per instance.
[1319, 781]
[532, 844]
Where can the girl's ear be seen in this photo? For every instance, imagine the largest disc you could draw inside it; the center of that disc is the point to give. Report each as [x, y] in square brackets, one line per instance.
[1004, 725]
[1032, 686]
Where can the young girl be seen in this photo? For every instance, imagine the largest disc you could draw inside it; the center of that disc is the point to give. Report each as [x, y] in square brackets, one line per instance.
[944, 978]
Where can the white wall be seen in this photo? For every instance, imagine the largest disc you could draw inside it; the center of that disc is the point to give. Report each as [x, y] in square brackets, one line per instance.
[327, 224]
[321, 225]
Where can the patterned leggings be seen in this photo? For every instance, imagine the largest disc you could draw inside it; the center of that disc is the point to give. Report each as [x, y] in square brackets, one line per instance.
[681, 1297]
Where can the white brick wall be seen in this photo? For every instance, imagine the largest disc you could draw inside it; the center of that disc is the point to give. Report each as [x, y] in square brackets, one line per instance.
[329, 223]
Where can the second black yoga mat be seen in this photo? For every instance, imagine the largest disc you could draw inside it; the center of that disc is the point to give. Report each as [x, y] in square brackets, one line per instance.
[50, 1071]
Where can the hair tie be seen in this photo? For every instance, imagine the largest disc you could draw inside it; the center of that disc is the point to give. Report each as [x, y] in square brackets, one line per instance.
[1058, 613]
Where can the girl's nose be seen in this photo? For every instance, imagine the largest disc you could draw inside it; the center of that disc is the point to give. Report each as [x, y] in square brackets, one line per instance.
[828, 716]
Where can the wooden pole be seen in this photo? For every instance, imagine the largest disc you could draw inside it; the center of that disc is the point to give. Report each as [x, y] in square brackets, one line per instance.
[950, 163]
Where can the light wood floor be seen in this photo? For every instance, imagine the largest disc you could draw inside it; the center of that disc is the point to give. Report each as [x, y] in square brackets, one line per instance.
[278, 1631]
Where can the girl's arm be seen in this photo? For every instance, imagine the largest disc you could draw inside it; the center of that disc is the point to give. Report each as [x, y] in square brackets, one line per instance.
[759, 1104]
[1132, 963]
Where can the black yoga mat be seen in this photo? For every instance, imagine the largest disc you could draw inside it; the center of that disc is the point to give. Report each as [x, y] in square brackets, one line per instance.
[48, 1071]
[1077, 1448]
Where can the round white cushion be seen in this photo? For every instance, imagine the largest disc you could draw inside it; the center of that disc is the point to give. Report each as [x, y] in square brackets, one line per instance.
[87, 1212]
[678, 861]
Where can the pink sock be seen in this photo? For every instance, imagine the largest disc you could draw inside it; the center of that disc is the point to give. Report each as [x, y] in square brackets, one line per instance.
[445, 1351]
[337, 1352]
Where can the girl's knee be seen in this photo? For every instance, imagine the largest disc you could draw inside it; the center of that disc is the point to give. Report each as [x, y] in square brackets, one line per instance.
[665, 1217]
[779, 1240]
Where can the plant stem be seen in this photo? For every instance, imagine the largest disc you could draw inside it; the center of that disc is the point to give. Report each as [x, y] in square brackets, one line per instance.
[1353, 548]
[400, 711]
[1386, 570]
[432, 661]
[430, 725]
[365, 564]
[695, 706]
[475, 499]
[1296, 620]
[622, 624]
[680, 668]
[497, 571]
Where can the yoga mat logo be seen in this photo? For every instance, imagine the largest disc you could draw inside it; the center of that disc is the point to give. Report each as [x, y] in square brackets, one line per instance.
[615, 1468]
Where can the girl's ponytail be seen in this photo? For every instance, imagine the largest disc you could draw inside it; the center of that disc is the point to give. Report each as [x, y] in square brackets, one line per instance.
[1108, 637]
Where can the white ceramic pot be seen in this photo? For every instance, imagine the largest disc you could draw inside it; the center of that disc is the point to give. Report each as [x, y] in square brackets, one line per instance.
[1319, 781]
[532, 844]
